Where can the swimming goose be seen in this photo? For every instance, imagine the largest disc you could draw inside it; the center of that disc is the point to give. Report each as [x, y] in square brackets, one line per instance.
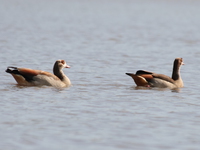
[30, 77]
[150, 79]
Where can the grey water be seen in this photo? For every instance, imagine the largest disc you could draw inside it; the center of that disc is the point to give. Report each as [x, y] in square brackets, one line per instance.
[101, 41]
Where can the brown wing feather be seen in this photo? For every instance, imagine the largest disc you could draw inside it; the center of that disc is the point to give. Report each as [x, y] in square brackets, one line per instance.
[146, 76]
[160, 76]
[139, 80]
[28, 72]
[31, 72]
[163, 77]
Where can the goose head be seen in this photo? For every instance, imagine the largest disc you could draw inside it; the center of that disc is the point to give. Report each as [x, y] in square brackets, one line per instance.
[58, 66]
[178, 62]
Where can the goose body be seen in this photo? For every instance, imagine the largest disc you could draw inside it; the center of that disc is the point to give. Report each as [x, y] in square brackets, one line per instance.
[150, 79]
[30, 77]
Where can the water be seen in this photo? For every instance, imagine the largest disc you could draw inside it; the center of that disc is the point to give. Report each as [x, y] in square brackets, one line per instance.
[101, 41]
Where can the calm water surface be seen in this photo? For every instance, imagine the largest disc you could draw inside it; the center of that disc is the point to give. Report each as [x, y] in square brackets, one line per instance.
[101, 41]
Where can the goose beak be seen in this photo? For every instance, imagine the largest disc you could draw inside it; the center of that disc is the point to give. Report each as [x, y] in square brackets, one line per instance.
[66, 66]
[182, 63]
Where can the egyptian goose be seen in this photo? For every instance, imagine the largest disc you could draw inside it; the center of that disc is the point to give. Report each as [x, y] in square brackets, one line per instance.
[29, 77]
[150, 79]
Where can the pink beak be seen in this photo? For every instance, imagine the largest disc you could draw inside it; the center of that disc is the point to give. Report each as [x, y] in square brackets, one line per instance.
[66, 66]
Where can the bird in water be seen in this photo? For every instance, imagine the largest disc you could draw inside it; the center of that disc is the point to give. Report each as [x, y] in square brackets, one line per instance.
[150, 79]
[30, 77]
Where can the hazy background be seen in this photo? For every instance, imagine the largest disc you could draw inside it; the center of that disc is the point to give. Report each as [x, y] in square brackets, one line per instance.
[101, 41]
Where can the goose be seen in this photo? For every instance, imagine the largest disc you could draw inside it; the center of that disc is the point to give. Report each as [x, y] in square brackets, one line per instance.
[150, 79]
[30, 77]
